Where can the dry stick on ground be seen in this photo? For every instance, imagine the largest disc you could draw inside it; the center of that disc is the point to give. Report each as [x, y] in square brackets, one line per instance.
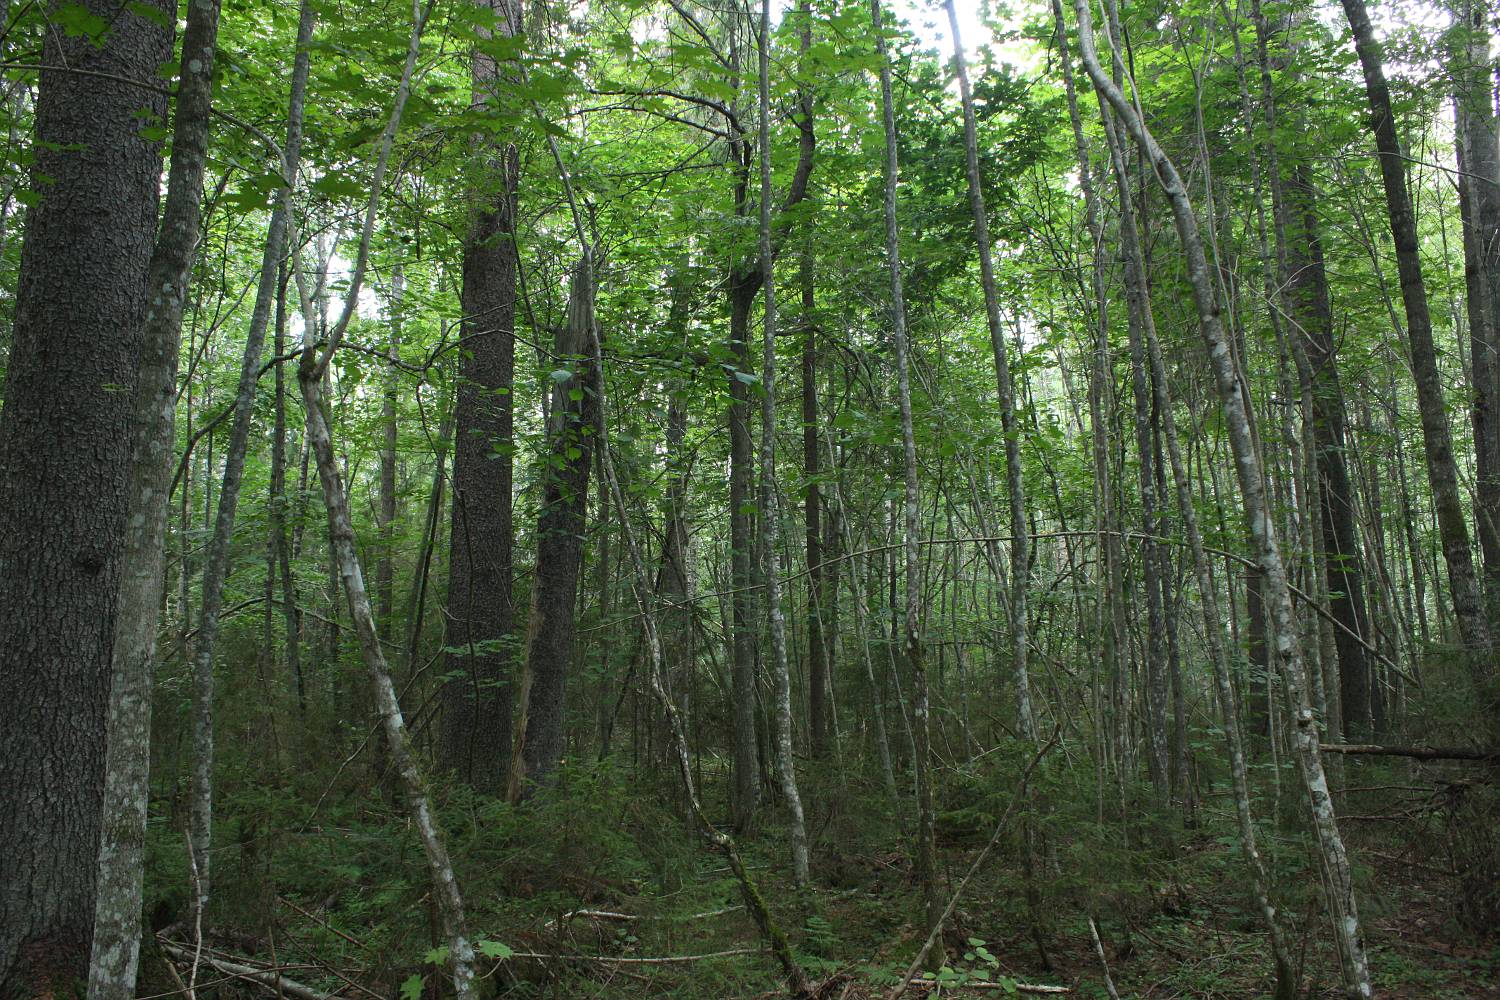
[937, 926]
[271, 979]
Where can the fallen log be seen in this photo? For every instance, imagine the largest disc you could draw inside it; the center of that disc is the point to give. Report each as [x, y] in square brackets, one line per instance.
[271, 979]
[1419, 753]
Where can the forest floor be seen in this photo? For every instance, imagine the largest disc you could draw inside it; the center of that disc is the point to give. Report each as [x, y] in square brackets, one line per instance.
[604, 892]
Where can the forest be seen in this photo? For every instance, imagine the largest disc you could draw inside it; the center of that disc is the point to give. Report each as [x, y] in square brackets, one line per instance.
[707, 498]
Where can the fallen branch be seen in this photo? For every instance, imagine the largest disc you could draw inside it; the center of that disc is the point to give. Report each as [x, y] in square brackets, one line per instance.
[1010, 987]
[1419, 753]
[269, 978]
[615, 960]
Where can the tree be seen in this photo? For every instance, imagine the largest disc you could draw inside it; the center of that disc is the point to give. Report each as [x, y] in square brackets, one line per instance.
[477, 705]
[65, 476]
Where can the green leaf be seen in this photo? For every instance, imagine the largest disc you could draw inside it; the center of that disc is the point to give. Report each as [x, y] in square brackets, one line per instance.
[436, 956]
[494, 949]
[411, 987]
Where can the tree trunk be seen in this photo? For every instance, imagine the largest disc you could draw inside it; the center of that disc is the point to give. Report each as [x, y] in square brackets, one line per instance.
[1335, 862]
[476, 732]
[926, 857]
[65, 482]
[1437, 437]
[770, 509]
[116, 944]
[1479, 200]
[572, 431]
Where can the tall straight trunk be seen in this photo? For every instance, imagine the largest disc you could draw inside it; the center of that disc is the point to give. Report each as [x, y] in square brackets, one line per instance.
[117, 912]
[65, 481]
[819, 669]
[1101, 379]
[216, 565]
[572, 432]
[745, 791]
[1141, 324]
[1479, 200]
[770, 509]
[1020, 559]
[311, 375]
[278, 553]
[1307, 290]
[926, 856]
[1334, 859]
[1437, 438]
[385, 579]
[476, 733]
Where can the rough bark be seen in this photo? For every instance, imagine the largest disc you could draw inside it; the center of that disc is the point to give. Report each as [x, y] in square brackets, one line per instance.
[572, 433]
[476, 733]
[65, 482]
[116, 944]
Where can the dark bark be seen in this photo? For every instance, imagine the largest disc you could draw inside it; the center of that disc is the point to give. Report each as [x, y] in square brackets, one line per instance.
[1479, 200]
[572, 433]
[64, 482]
[476, 733]
[818, 667]
[1442, 474]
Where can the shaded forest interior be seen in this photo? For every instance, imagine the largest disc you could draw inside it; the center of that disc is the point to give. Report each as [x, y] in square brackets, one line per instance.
[518, 498]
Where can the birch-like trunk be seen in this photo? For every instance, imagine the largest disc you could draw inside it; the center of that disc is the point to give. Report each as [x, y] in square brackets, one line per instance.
[926, 859]
[117, 907]
[770, 509]
[216, 566]
[1335, 862]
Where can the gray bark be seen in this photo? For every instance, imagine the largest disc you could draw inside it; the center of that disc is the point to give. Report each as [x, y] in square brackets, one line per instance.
[116, 944]
[1335, 862]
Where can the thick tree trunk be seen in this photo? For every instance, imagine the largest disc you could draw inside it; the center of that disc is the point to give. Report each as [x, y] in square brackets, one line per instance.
[745, 792]
[1479, 199]
[65, 482]
[819, 669]
[1437, 437]
[116, 944]
[476, 733]
[385, 573]
[572, 433]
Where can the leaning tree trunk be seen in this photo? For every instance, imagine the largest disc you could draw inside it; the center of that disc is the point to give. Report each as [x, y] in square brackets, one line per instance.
[117, 913]
[1335, 862]
[311, 374]
[476, 732]
[1437, 438]
[65, 481]
[926, 857]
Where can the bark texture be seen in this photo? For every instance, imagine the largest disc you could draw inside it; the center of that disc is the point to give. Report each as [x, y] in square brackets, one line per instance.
[116, 944]
[476, 732]
[65, 477]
